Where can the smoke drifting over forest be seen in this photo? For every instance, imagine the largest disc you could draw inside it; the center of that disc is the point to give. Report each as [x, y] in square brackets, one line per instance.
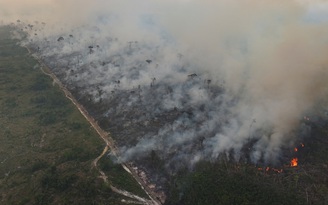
[241, 71]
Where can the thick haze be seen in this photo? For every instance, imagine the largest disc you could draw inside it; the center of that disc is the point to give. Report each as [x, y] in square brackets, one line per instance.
[271, 58]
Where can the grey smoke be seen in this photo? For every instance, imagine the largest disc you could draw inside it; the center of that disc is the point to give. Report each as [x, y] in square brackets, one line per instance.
[260, 67]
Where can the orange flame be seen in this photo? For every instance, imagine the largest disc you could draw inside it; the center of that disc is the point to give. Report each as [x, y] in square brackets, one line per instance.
[302, 144]
[294, 162]
[295, 149]
[269, 168]
[277, 170]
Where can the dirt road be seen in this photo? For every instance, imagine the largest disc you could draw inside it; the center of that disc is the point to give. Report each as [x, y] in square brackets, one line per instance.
[109, 145]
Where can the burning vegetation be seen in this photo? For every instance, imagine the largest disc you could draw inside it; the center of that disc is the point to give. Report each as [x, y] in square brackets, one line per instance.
[241, 100]
[294, 162]
[158, 96]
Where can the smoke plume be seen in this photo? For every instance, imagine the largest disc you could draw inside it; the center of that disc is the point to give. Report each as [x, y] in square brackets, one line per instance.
[239, 71]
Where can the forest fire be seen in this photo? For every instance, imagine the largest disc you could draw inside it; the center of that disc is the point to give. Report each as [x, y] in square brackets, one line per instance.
[294, 162]
[267, 169]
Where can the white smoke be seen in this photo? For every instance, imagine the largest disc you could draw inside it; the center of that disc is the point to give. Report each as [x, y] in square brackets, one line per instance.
[260, 66]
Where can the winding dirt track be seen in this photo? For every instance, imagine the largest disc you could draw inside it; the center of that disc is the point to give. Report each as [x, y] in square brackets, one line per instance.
[109, 145]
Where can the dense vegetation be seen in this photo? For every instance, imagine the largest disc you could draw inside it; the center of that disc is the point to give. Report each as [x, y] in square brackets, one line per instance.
[235, 184]
[238, 183]
[46, 146]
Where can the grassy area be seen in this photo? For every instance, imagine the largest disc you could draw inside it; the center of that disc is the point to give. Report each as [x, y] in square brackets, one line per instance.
[46, 146]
